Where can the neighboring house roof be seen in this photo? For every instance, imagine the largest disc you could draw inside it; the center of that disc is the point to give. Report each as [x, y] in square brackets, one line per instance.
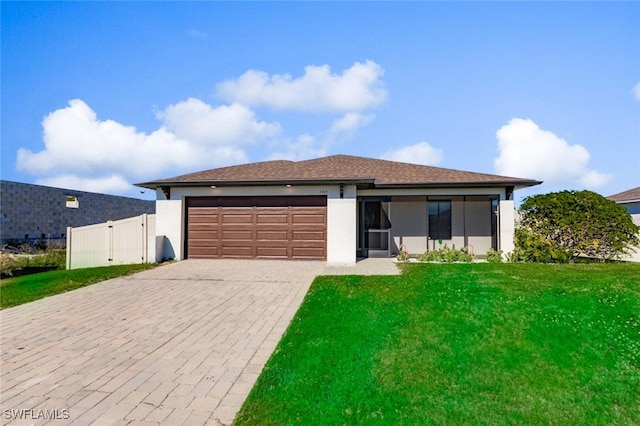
[630, 196]
[366, 172]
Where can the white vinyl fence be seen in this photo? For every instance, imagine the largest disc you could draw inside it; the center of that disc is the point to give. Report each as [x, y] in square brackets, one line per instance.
[119, 242]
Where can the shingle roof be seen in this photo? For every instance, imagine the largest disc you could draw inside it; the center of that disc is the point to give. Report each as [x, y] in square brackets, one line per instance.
[626, 196]
[337, 168]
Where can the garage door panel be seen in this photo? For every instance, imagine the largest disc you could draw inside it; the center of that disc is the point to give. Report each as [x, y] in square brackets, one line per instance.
[237, 234]
[201, 238]
[272, 235]
[237, 251]
[308, 253]
[273, 243]
[250, 227]
[203, 220]
[272, 252]
[203, 227]
[204, 252]
[229, 218]
[308, 235]
[308, 218]
[204, 233]
[269, 218]
[201, 245]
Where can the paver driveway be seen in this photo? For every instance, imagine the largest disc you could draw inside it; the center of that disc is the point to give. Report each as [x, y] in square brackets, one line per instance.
[180, 344]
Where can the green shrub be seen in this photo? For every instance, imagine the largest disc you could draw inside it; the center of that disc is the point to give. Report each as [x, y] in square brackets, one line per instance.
[494, 256]
[561, 227]
[8, 263]
[513, 256]
[447, 255]
[538, 249]
[50, 257]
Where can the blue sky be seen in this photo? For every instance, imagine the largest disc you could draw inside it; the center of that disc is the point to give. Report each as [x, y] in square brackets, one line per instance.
[100, 95]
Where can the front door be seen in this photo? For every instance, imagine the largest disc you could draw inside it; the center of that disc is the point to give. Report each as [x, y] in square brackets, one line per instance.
[374, 227]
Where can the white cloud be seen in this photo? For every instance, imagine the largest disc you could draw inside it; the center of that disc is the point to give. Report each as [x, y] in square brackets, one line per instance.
[200, 123]
[194, 135]
[594, 179]
[351, 122]
[304, 148]
[82, 151]
[114, 184]
[420, 153]
[357, 88]
[527, 151]
[636, 91]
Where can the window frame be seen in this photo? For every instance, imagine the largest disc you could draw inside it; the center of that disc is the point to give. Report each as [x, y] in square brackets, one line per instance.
[440, 221]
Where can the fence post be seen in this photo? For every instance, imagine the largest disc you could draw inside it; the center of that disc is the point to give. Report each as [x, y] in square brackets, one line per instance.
[110, 241]
[69, 239]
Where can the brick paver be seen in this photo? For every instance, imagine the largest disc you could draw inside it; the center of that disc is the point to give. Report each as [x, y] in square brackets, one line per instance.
[181, 344]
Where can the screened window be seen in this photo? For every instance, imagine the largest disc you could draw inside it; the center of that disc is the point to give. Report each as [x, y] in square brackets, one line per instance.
[440, 220]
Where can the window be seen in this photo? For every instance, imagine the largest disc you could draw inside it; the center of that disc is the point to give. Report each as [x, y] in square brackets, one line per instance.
[72, 202]
[440, 220]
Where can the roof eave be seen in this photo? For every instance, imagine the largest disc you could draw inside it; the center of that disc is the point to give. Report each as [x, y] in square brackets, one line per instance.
[334, 181]
[637, 200]
[516, 184]
[269, 182]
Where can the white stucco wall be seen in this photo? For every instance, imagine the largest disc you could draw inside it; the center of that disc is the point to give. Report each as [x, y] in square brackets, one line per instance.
[169, 228]
[341, 226]
[507, 225]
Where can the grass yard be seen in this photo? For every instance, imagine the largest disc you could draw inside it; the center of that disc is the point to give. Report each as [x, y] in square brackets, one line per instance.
[460, 344]
[26, 288]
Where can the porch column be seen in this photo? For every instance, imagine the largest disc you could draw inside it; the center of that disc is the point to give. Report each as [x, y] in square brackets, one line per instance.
[506, 229]
[341, 226]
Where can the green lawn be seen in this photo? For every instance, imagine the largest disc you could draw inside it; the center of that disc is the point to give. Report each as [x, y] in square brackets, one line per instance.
[457, 344]
[23, 289]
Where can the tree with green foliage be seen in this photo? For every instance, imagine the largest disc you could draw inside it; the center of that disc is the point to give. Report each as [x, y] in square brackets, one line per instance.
[561, 226]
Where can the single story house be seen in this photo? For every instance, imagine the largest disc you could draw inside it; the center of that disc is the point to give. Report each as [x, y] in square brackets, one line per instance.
[630, 200]
[335, 208]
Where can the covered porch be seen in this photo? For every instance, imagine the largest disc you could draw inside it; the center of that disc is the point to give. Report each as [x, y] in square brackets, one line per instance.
[418, 223]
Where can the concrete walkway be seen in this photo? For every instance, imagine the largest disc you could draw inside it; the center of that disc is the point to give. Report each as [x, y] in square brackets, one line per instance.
[368, 266]
[181, 344]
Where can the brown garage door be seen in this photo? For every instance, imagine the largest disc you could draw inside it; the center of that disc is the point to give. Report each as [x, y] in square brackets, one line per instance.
[257, 227]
